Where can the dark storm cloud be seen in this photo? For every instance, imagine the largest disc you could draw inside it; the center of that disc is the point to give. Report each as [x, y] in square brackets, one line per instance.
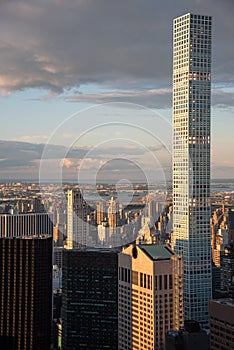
[56, 45]
[23, 160]
[17, 154]
[13, 153]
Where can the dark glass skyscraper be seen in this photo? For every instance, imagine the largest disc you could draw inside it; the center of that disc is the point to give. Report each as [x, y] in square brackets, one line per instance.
[25, 293]
[90, 299]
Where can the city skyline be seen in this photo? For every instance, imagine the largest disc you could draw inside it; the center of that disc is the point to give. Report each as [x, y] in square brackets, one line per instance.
[46, 79]
[116, 174]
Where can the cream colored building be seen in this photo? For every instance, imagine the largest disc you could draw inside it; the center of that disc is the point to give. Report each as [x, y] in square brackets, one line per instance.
[77, 224]
[150, 296]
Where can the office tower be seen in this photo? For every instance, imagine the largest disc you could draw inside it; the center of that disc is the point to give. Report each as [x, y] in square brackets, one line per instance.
[77, 225]
[230, 223]
[189, 337]
[191, 159]
[23, 225]
[58, 235]
[38, 205]
[101, 214]
[57, 278]
[103, 233]
[154, 209]
[58, 256]
[25, 293]
[150, 296]
[222, 324]
[227, 267]
[113, 216]
[90, 299]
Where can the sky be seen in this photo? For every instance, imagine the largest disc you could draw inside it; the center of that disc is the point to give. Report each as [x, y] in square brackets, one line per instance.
[61, 60]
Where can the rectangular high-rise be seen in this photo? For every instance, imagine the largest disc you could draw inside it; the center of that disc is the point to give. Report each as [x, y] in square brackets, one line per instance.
[77, 225]
[25, 293]
[191, 158]
[222, 324]
[150, 296]
[90, 299]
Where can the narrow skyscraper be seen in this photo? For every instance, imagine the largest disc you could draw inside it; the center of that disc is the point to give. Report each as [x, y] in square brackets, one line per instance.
[191, 159]
[77, 225]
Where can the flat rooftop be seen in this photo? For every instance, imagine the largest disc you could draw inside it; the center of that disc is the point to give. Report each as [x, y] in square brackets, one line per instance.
[157, 252]
[224, 301]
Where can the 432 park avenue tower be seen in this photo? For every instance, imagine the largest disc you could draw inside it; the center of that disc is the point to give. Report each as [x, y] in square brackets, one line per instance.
[191, 158]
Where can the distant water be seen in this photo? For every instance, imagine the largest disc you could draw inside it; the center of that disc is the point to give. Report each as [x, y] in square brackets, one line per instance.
[217, 185]
[222, 185]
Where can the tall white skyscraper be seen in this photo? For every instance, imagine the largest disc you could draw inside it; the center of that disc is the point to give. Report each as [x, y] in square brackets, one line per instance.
[77, 225]
[191, 159]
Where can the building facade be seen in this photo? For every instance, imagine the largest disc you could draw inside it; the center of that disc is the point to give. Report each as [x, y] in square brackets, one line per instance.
[227, 267]
[150, 296]
[189, 337]
[113, 216]
[25, 293]
[191, 159]
[77, 223]
[23, 225]
[222, 324]
[90, 299]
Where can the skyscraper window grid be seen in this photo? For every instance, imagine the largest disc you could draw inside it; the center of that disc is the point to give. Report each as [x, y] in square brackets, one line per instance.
[191, 158]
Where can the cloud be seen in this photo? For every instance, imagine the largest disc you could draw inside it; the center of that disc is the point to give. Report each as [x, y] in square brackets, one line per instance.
[223, 99]
[67, 163]
[88, 164]
[21, 154]
[57, 45]
[25, 158]
[33, 138]
[153, 98]
[21, 160]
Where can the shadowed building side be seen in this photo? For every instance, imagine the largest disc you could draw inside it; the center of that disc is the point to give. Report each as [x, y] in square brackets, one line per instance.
[25, 293]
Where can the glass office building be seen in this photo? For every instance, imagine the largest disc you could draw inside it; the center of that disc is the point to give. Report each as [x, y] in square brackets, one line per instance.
[90, 299]
[25, 293]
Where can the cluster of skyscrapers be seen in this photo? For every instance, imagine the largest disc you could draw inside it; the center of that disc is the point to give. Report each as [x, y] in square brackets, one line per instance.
[140, 296]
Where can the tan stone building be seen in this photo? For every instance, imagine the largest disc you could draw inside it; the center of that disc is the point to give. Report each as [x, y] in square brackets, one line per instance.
[150, 296]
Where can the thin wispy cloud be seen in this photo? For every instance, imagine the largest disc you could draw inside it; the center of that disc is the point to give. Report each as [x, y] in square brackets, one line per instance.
[154, 98]
[223, 99]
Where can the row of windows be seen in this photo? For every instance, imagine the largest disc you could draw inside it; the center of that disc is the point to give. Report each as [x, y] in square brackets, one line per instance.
[142, 279]
[124, 275]
[193, 18]
[163, 282]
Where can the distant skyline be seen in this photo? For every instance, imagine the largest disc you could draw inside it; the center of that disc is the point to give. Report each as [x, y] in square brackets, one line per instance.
[60, 57]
